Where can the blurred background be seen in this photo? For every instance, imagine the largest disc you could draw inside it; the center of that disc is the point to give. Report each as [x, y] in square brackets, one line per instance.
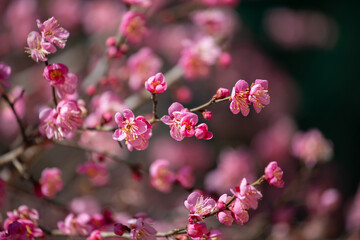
[307, 50]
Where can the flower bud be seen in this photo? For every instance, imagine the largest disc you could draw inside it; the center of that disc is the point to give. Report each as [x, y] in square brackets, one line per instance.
[208, 115]
[221, 93]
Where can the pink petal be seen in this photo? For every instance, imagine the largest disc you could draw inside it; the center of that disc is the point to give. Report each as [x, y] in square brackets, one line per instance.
[241, 85]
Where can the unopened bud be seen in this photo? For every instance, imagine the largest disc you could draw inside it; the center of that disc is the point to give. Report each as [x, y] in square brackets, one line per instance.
[221, 93]
[208, 115]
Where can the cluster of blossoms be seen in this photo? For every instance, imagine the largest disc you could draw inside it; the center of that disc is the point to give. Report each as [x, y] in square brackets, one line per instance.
[162, 177]
[135, 131]
[21, 224]
[182, 123]
[242, 97]
[41, 44]
[61, 122]
[228, 209]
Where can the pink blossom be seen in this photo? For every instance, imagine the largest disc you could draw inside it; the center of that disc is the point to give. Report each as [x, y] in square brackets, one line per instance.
[240, 215]
[141, 66]
[181, 121]
[74, 225]
[197, 230]
[311, 147]
[202, 132]
[239, 98]
[5, 71]
[119, 229]
[233, 165]
[273, 174]
[23, 212]
[95, 235]
[156, 84]
[198, 205]
[48, 125]
[58, 77]
[247, 194]
[208, 115]
[69, 116]
[162, 177]
[225, 217]
[38, 48]
[259, 95]
[133, 26]
[225, 60]
[142, 3]
[221, 93]
[141, 229]
[185, 177]
[51, 182]
[134, 130]
[23, 229]
[97, 173]
[52, 32]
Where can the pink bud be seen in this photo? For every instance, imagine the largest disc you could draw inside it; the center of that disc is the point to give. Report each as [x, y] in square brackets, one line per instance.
[221, 93]
[208, 115]
[110, 41]
[107, 117]
[119, 229]
[91, 90]
[156, 84]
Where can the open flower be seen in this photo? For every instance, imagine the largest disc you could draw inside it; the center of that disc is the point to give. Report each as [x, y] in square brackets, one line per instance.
[162, 177]
[52, 32]
[141, 229]
[51, 182]
[239, 98]
[38, 48]
[133, 26]
[247, 194]
[198, 205]
[259, 95]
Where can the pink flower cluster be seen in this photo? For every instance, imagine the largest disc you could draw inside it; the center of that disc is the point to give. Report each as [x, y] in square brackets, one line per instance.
[182, 123]
[41, 44]
[59, 77]
[62, 121]
[242, 97]
[162, 177]
[135, 131]
[21, 224]
[51, 182]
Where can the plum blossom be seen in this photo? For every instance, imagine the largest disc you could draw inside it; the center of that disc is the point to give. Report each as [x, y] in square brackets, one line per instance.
[141, 66]
[197, 230]
[51, 182]
[95, 235]
[259, 95]
[74, 225]
[38, 48]
[273, 174]
[239, 213]
[133, 26]
[181, 121]
[59, 77]
[52, 32]
[162, 177]
[141, 229]
[5, 71]
[224, 216]
[221, 93]
[198, 205]
[97, 172]
[247, 194]
[136, 131]
[311, 147]
[202, 132]
[239, 98]
[156, 84]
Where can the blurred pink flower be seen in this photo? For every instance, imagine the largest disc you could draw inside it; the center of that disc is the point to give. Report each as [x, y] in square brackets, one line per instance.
[51, 182]
[247, 194]
[259, 95]
[133, 26]
[67, 12]
[74, 225]
[239, 98]
[142, 65]
[97, 172]
[142, 3]
[273, 174]
[311, 147]
[38, 48]
[161, 176]
[234, 164]
[52, 32]
[5, 71]
[185, 177]
[95, 235]
[199, 206]
[84, 204]
[156, 84]
[141, 229]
